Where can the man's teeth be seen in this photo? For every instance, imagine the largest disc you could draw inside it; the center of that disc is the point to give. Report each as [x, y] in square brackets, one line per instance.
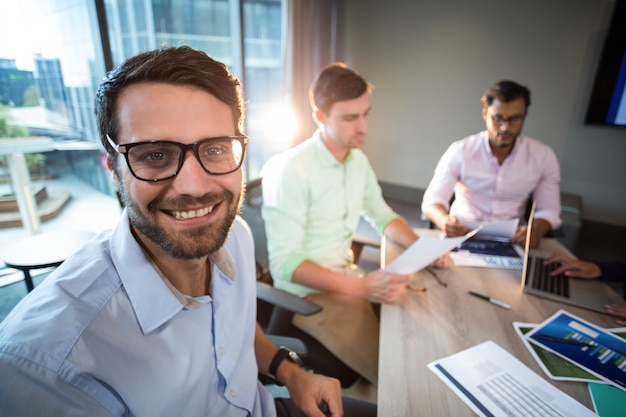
[191, 214]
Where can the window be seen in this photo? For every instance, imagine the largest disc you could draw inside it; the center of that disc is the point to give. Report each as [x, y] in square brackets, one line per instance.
[48, 75]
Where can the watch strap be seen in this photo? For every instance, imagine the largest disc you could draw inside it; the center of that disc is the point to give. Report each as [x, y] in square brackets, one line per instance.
[282, 354]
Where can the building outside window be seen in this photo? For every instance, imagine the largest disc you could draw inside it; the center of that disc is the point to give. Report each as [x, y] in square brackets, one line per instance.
[52, 61]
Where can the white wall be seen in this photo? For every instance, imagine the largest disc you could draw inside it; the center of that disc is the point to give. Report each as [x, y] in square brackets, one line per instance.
[431, 61]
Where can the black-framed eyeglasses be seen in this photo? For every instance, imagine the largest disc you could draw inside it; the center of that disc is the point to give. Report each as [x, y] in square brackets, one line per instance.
[513, 120]
[159, 160]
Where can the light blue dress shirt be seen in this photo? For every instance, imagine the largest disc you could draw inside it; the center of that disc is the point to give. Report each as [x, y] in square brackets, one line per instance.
[105, 335]
[312, 205]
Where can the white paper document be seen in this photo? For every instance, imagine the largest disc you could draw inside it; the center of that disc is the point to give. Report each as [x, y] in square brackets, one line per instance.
[423, 252]
[492, 382]
[504, 229]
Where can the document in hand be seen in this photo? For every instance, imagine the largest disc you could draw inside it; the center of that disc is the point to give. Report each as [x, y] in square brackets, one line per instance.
[423, 252]
[594, 349]
[492, 382]
[504, 229]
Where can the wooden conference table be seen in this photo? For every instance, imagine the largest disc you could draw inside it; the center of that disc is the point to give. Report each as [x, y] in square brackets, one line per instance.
[430, 325]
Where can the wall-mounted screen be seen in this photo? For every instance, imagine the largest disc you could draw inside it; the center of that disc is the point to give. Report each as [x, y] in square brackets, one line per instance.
[607, 104]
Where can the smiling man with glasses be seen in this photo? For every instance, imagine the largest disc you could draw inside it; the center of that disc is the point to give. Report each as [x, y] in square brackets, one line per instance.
[493, 173]
[157, 317]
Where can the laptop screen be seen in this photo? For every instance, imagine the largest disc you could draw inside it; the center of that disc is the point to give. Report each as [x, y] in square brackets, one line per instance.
[525, 268]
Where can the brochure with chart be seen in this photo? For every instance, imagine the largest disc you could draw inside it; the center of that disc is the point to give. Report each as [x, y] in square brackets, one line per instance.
[552, 364]
[555, 366]
[596, 350]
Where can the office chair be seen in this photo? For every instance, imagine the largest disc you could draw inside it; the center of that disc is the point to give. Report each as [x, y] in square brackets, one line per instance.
[276, 307]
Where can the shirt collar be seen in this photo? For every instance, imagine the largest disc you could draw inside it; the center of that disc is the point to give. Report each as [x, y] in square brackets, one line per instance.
[222, 260]
[326, 156]
[153, 298]
[517, 145]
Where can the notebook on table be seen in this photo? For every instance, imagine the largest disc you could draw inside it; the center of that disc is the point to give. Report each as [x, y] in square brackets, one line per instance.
[491, 247]
[537, 280]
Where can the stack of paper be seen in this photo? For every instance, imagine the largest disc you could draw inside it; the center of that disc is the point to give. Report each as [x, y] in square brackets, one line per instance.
[492, 382]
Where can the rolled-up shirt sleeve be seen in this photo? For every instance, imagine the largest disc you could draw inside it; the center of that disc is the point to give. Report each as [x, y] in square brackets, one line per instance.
[547, 193]
[447, 173]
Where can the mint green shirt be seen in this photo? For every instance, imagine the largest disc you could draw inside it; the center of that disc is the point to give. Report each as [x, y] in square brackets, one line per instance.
[311, 207]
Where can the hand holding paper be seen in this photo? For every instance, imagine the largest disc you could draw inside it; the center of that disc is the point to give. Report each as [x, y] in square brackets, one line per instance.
[424, 252]
[504, 229]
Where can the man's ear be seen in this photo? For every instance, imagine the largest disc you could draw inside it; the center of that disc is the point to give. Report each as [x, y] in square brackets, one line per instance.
[116, 179]
[319, 117]
[485, 114]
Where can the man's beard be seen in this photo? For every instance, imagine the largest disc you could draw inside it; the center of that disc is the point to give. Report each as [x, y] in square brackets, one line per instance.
[191, 243]
[498, 143]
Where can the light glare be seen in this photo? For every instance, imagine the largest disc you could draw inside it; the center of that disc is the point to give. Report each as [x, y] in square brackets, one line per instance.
[279, 124]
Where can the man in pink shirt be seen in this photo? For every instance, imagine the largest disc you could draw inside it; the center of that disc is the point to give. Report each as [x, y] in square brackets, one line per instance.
[493, 173]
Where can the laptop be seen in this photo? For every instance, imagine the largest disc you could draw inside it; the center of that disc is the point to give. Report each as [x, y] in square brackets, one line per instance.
[536, 279]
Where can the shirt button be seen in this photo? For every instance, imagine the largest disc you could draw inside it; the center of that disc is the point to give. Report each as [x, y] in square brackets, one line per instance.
[233, 393]
[220, 351]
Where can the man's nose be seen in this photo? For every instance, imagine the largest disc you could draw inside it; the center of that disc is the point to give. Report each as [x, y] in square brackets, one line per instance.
[363, 123]
[192, 178]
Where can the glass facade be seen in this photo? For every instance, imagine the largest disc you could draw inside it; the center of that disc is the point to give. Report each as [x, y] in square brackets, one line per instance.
[47, 83]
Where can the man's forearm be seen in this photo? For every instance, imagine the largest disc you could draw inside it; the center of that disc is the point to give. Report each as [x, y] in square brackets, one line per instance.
[399, 231]
[540, 228]
[438, 214]
[313, 275]
[264, 350]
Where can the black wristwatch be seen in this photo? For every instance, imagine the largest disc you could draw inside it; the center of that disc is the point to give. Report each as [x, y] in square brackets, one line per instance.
[282, 354]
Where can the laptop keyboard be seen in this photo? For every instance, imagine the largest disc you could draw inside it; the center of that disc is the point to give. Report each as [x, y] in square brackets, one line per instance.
[543, 281]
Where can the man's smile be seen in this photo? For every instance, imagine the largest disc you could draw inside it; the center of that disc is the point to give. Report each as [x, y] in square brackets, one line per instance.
[191, 214]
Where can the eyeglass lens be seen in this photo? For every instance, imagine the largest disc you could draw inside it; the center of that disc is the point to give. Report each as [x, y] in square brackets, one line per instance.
[160, 160]
[513, 120]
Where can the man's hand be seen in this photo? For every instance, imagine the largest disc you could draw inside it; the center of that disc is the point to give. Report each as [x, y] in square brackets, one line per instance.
[442, 262]
[308, 391]
[520, 237]
[582, 269]
[449, 225]
[617, 310]
[540, 228]
[574, 267]
[452, 227]
[385, 288]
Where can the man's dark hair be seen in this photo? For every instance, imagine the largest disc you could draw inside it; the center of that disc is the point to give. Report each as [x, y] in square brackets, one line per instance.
[170, 65]
[505, 91]
[336, 82]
